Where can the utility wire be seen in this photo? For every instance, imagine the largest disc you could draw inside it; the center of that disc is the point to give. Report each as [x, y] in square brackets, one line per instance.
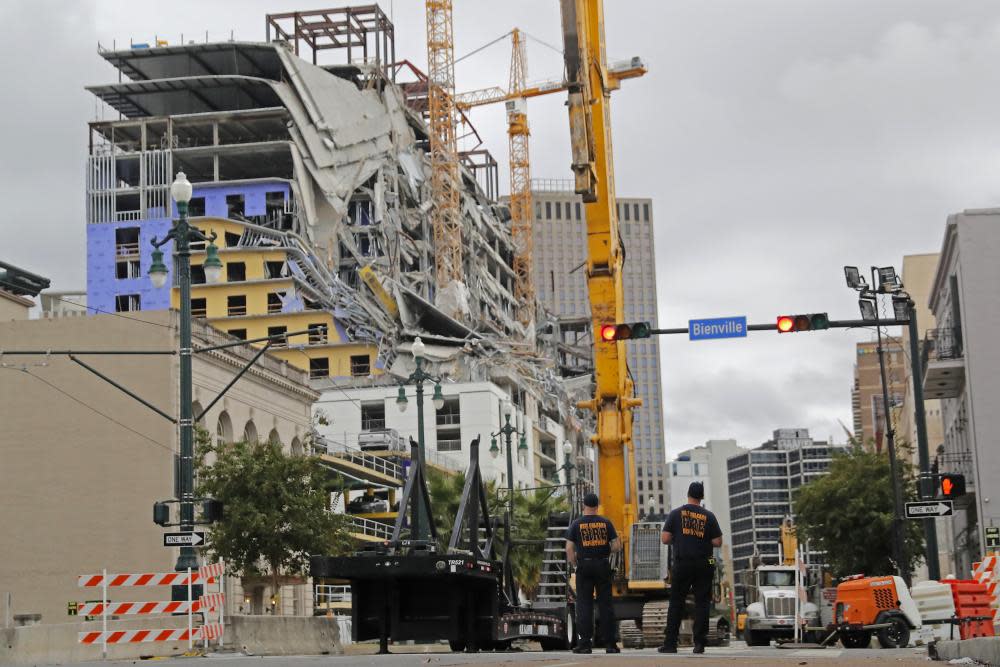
[484, 46]
[96, 309]
[542, 42]
[95, 410]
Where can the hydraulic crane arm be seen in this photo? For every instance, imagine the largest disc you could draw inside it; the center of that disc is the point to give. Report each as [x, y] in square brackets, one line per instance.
[590, 86]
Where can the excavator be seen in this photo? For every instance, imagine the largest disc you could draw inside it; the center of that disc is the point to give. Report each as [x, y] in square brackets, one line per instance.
[641, 585]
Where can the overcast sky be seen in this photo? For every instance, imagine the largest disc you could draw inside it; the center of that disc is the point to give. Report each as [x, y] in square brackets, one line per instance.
[778, 139]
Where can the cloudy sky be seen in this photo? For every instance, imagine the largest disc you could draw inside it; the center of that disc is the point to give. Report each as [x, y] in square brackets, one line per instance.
[779, 140]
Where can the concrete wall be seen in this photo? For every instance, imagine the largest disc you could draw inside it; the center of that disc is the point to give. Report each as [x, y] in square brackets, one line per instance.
[83, 463]
[256, 635]
[14, 307]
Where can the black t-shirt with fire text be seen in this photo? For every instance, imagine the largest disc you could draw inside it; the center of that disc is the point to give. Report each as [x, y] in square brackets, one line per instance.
[592, 536]
[693, 528]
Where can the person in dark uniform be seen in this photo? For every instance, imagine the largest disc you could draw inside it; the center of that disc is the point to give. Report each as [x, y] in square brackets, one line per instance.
[590, 540]
[694, 532]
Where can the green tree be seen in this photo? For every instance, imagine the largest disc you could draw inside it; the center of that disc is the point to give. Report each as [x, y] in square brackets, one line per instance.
[848, 514]
[275, 508]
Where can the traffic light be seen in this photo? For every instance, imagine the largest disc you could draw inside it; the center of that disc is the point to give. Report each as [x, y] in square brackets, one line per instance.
[951, 485]
[810, 322]
[212, 510]
[626, 331]
[161, 514]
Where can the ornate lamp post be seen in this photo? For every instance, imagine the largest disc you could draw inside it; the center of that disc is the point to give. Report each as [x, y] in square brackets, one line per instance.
[182, 233]
[508, 430]
[418, 377]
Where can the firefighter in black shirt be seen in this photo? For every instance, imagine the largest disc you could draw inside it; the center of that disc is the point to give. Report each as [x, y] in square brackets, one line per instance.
[694, 532]
[589, 543]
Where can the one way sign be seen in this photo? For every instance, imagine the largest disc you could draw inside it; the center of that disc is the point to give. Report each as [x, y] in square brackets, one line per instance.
[183, 539]
[929, 508]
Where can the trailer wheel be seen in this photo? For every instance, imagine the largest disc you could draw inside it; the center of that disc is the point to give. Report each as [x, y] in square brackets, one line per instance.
[858, 639]
[896, 635]
[568, 640]
[456, 645]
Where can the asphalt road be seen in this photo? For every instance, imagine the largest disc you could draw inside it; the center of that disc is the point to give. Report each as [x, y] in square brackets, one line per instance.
[731, 656]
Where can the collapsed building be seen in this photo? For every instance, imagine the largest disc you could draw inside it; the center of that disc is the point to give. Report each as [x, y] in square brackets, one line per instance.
[315, 178]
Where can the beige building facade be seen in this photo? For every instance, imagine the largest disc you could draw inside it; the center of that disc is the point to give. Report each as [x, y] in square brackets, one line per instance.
[14, 306]
[82, 463]
[866, 396]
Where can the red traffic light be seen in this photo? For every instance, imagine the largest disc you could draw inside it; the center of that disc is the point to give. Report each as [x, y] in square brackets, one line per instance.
[625, 331]
[608, 332]
[808, 322]
[785, 323]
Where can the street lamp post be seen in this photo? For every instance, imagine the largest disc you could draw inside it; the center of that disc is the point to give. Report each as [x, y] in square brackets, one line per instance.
[418, 377]
[568, 466]
[182, 233]
[884, 281]
[508, 430]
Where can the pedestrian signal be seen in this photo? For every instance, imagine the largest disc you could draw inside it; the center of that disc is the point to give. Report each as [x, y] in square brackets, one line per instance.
[951, 485]
[810, 322]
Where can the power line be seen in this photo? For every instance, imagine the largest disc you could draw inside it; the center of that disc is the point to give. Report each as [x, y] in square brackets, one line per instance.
[484, 46]
[98, 310]
[542, 42]
[95, 410]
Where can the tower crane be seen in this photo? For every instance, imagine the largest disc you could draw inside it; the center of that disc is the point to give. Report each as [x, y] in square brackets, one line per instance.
[518, 133]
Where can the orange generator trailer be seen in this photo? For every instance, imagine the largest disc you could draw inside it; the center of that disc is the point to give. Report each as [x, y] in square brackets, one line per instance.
[881, 606]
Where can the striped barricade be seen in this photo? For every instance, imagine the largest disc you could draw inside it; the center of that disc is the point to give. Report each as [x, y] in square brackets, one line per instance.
[212, 573]
[139, 636]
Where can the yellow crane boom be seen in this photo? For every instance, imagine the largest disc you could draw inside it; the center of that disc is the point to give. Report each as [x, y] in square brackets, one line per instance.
[590, 84]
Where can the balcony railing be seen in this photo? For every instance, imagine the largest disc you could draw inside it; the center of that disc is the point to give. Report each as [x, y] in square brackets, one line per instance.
[957, 462]
[941, 344]
[373, 423]
[448, 418]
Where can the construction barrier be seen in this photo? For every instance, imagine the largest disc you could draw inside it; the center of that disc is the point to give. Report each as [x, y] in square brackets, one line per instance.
[209, 602]
[937, 609]
[972, 608]
[987, 572]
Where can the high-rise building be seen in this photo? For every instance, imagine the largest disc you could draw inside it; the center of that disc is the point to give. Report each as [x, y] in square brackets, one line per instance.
[560, 254]
[866, 395]
[962, 369]
[761, 482]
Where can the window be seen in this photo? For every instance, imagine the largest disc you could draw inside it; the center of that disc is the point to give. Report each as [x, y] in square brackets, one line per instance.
[317, 334]
[558, 211]
[450, 413]
[372, 415]
[538, 210]
[238, 333]
[635, 211]
[199, 308]
[236, 305]
[640, 485]
[360, 365]
[625, 209]
[125, 303]
[235, 206]
[449, 445]
[645, 212]
[127, 242]
[273, 302]
[232, 240]
[319, 368]
[196, 207]
[278, 331]
[578, 211]
[236, 272]
[567, 205]
[548, 210]
[197, 274]
[273, 269]
[127, 269]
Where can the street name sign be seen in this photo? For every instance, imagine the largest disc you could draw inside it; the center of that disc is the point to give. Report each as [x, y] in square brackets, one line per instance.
[928, 508]
[183, 539]
[993, 538]
[719, 327]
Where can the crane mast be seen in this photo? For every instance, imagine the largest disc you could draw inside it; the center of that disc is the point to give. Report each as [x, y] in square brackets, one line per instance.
[590, 88]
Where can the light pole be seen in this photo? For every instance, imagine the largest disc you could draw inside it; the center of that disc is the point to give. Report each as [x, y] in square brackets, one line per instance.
[508, 430]
[418, 377]
[568, 466]
[182, 233]
[884, 281]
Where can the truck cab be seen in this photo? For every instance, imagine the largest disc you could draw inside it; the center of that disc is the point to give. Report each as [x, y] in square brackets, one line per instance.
[771, 614]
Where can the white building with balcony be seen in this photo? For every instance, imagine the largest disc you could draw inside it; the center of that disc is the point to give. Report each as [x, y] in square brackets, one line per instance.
[962, 369]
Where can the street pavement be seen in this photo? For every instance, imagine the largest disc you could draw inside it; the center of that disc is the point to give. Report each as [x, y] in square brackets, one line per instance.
[732, 656]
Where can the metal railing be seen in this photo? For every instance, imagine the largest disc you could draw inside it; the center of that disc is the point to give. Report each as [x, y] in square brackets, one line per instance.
[374, 463]
[566, 185]
[448, 418]
[370, 528]
[958, 462]
[325, 595]
[454, 445]
[372, 424]
[127, 250]
[941, 344]
[236, 311]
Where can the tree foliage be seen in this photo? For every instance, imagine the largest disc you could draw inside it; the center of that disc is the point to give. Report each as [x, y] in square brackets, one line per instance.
[848, 514]
[275, 508]
[531, 514]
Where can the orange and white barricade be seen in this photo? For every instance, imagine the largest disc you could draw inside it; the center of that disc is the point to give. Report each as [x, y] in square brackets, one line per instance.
[211, 628]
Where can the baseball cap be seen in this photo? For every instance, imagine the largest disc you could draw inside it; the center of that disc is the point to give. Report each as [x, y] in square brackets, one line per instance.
[696, 490]
[591, 500]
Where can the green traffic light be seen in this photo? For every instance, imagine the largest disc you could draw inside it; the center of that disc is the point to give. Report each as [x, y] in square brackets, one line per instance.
[819, 321]
[640, 330]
